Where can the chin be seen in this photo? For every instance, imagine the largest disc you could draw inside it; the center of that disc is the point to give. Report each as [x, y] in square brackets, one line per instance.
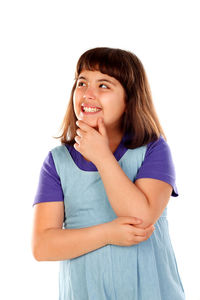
[91, 123]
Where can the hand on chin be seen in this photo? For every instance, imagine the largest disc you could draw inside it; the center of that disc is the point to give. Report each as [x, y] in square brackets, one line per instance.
[92, 124]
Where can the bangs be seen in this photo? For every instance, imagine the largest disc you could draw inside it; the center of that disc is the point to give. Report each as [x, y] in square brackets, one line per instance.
[106, 60]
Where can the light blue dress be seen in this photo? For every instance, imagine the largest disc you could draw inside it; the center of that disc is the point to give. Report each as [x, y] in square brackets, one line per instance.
[146, 271]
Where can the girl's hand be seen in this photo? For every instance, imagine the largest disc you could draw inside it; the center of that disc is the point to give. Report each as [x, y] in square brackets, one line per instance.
[92, 144]
[121, 231]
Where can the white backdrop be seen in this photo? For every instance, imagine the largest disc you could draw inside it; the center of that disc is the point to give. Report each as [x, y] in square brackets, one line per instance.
[41, 42]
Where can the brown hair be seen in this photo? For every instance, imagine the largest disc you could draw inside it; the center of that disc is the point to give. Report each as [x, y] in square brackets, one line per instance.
[140, 119]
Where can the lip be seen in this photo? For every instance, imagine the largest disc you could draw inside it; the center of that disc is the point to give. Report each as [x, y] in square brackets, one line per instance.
[90, 105]
[89, 112]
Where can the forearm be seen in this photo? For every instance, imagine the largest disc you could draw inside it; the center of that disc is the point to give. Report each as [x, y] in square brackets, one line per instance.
[62, 244]
[124, 196]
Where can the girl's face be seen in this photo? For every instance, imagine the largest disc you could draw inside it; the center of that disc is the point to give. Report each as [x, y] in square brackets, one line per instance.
[104, 94]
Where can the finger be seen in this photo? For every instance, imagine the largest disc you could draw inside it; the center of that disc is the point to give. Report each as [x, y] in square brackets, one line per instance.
[83, 126]
[139, 239]
[139, 231]
[77, 139]
[132, 220]
[149, 232]
[76, 146]
[150, 228]
[102, 128]
[143, 232]
[79, 132]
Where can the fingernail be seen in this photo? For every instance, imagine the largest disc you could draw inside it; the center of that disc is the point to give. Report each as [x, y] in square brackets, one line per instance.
[138, 221]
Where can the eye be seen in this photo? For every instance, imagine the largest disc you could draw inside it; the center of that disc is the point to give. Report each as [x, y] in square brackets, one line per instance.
[104, 85]
[80, 83]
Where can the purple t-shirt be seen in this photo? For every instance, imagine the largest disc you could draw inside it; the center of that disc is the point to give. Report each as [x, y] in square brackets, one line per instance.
[157, 164]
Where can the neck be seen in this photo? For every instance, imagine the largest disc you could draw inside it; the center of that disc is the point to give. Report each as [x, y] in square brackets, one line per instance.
[114, 135]
[114, 140]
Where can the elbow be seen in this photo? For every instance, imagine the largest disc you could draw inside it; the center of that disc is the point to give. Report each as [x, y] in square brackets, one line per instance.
[37, 249]
[147, 215]
[147, 218]
[36, 252]
[38, 255]
[146, 222]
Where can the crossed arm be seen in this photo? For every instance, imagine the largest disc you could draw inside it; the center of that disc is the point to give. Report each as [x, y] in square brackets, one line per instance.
[145, 199]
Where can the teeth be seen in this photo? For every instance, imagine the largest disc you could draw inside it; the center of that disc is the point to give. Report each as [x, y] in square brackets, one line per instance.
[90, 109]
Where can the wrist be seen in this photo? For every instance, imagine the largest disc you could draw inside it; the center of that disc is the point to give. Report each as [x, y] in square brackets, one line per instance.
[104, 159]
[105, 233]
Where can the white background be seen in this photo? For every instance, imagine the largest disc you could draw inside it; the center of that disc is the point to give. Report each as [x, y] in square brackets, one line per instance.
[41, 42]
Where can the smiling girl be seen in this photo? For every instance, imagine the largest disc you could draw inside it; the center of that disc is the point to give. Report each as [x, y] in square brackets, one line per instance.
[105, 189]
[107, 95]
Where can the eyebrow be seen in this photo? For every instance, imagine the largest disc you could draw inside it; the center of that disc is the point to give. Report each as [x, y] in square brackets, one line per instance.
[100, 80]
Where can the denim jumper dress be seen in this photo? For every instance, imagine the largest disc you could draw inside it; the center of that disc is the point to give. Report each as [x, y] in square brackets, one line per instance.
[146, 271]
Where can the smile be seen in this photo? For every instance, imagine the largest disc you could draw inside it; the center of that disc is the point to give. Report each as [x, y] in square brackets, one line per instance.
[90, 109]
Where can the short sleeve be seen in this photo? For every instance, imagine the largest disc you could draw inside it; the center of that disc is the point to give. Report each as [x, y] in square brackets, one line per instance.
[158, 164]
[49, 186]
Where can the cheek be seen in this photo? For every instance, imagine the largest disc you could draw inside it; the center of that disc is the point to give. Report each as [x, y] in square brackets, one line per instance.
[117, 105]
[118, 111]
[76, 100]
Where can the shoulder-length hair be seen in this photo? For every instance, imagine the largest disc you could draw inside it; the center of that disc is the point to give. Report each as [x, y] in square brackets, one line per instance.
[140, 119]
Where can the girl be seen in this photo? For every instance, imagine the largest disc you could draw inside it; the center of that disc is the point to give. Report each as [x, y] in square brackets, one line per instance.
[105, 189]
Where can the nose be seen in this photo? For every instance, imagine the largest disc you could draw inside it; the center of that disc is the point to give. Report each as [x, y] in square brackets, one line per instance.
[89, 93]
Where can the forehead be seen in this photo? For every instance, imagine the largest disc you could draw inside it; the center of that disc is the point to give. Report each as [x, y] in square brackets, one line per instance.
[88, 74]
